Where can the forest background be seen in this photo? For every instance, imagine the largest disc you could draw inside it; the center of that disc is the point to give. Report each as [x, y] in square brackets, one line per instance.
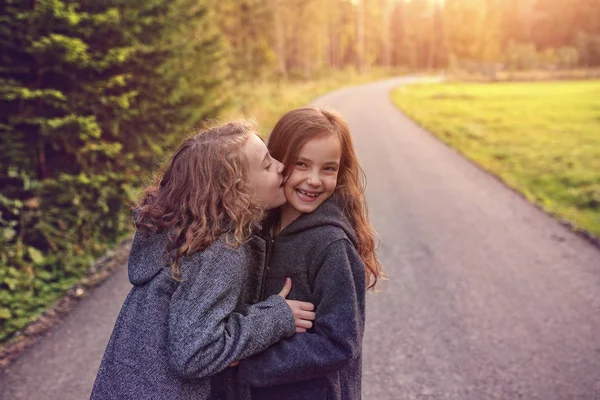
[95, 94]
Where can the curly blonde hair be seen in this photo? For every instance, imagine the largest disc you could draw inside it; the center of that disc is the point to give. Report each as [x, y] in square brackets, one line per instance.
[202, 193]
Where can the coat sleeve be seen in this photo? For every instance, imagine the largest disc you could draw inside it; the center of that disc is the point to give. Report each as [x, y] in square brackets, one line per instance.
[336, 337]
[205, 332]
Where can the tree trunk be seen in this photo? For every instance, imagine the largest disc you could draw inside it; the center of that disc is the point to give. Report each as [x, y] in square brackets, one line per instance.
[279, 47]
[42, 162]
[360, 35]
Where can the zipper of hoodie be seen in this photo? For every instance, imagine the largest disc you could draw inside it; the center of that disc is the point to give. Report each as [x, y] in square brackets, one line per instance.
[269, 248]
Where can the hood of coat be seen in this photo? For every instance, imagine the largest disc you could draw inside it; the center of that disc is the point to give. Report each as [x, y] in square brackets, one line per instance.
[330, 213]
[147, 256]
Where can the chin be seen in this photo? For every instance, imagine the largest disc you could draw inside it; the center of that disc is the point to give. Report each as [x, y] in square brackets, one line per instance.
[276, 205]
[306, 209]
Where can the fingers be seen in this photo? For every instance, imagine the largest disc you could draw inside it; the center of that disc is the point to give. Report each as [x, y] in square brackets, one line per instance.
[301, 310]
[287, 287]
[306, 315]
[300, 305]
[303, 305]
[301, 323]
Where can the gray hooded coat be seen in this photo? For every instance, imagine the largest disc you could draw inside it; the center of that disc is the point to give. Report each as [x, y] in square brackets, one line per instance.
[318, 251]
[171, 337]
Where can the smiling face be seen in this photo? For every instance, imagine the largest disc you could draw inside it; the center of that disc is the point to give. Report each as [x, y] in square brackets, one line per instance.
[264, 173]
[314, 177]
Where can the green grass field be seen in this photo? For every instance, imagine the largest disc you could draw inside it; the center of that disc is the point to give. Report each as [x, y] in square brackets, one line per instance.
[543, 139]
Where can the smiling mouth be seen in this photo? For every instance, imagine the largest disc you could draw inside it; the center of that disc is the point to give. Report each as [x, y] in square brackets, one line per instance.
[307, 194]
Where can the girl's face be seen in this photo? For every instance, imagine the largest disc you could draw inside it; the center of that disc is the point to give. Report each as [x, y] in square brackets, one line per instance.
[315, 173]
[264, 173]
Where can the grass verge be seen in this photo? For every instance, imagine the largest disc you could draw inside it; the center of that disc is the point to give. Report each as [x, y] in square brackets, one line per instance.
[542, 139]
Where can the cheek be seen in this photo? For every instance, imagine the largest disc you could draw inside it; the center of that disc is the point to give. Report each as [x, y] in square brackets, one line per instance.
[288, 189]
[276, 182]
[294, 179]
[254, 183]
[331, 182]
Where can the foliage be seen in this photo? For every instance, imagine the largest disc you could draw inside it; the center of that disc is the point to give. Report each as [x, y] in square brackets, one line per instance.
[588, 47]
[524, 56]
[91, 93]
[302, 39]
[428, 34]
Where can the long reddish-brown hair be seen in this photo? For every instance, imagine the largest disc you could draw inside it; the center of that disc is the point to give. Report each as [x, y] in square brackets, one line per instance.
[201, 193]
[292, 132]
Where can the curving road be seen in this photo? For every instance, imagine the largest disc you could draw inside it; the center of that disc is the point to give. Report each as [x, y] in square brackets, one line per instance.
[487, 298]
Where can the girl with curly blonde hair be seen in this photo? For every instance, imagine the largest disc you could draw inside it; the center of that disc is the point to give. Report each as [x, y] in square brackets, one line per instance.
[195, 266]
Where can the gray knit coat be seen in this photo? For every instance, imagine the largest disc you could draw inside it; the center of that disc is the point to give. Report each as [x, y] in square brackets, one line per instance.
[173, 340]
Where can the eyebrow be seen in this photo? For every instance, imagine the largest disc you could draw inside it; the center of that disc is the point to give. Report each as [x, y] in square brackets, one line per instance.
[337, 163]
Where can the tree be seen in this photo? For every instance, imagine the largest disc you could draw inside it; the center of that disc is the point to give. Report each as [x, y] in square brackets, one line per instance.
[91, 93]
[247, 27]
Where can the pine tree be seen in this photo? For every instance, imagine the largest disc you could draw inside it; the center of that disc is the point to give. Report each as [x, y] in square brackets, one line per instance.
[91, 93]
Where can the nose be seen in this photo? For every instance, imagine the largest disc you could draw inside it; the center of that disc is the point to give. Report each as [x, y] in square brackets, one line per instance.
[314, 179]
[280, 167]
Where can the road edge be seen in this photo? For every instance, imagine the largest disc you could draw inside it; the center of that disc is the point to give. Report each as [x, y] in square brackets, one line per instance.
[97, 274]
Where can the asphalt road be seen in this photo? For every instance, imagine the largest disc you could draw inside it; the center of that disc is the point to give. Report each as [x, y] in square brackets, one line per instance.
[487, 297]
